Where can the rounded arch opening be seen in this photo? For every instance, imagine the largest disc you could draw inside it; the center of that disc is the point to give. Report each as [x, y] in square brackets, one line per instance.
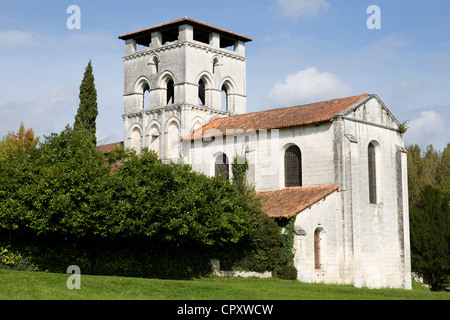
[201, 92]
[154, 134]
[173, 138]
[204, 83]
[227, 89]
[293, 166]
[224, 98]
[216, 62]
[197, 123]
[155, 64]
[374, 170]
[136, 138]
[222, 166]
[168, 85]
[146, 97]
[170, 97]
[318, 248]
[142, 88]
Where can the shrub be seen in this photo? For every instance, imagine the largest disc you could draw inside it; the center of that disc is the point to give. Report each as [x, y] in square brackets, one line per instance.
[264, 247]
[14, 260]
[61, 205]
[286, 272]
[172, 203]
[64, 187]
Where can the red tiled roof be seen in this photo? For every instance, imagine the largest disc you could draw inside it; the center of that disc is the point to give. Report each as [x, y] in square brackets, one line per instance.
[180, 21]
[114, 166]
[287, 202]
[108, 147]
[278, 118]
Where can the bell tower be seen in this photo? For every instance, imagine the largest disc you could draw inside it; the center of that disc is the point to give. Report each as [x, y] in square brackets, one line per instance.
[178, 76]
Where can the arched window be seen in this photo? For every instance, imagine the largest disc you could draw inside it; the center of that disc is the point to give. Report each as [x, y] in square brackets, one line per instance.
[201, 92]
[154, 138]
[170, 92]
[146, 97]
[173, 140]
[317, 259]
[136, 139]
[222, 166]
[225, 99]
[293, 167]
[197, 124]
[142, 90]
[215, 65]
[372, 173]
[156, 64]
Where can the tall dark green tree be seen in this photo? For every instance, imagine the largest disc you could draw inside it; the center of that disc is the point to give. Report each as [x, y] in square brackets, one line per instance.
[415, 177]
[430, 236]
[263, 248]
[87, 110]
[444, 169]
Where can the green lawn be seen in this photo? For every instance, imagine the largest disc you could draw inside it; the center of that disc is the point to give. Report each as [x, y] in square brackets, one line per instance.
[24, 285]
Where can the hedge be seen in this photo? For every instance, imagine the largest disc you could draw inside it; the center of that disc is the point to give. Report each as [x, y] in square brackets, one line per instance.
[64, 203]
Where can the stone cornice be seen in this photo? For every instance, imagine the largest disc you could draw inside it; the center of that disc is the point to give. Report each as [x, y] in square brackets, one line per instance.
[178, 44]
[176, 107]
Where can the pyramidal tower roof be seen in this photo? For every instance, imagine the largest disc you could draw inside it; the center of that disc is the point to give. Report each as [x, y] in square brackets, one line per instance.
[169, 31]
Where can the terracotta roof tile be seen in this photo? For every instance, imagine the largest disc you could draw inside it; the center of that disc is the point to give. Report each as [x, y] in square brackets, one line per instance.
[108, 147]
[180, 21]
[114, 166]
[278, 118]
[287, 202]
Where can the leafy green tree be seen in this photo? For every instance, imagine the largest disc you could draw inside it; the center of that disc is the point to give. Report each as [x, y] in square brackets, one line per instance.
[430, 166]
[54, 188]
[430, 236]
[66, 187]
[172, 203]
[263, 248]
[444, 169]
[23, 140]
[16, 175]
[87, 110]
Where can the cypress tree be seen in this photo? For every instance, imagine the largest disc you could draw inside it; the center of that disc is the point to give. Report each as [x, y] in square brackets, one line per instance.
[87, 111]
[430, 236]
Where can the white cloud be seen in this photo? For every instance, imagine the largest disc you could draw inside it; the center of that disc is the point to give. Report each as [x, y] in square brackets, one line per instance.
[306, 8]
[307, 86]
[425, 129]
[406, 93]
[45, 114]
[392, 46]
[15, 38]
[404, 88]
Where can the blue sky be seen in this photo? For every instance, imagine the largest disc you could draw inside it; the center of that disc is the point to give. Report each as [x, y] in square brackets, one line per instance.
[303, 51]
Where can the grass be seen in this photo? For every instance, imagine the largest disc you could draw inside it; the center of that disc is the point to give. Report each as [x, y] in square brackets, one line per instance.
[23, 285]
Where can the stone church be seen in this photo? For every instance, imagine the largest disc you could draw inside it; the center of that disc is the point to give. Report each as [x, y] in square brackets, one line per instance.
[337, 167]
